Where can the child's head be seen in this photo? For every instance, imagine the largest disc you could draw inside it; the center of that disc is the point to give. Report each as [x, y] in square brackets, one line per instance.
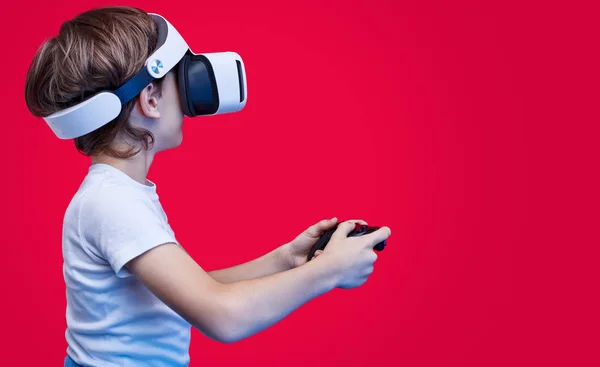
[100, 50]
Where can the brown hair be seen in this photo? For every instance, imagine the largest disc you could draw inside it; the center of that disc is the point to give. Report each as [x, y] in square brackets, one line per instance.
[97, 50]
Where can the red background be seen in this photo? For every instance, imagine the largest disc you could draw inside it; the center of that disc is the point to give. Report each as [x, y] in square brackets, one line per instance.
[466, 127]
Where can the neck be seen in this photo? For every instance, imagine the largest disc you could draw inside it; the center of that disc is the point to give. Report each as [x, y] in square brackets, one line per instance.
[136, 167]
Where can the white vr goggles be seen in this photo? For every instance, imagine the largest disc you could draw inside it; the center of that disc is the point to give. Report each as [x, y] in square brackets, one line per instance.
[209, 84]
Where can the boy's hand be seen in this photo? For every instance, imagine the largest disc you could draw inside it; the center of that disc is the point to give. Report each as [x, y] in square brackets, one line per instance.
[298, 249]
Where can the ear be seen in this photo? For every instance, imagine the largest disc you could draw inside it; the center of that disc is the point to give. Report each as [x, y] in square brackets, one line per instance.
[148, 102]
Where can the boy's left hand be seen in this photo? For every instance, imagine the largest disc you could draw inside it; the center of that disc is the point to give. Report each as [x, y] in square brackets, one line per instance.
[298, 249]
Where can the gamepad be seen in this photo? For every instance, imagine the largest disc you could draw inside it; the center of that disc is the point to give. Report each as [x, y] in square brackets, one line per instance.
[359, 230]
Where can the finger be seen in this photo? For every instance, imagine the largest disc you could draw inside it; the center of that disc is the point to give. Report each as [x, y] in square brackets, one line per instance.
[317, 229]
[344, 229]
[359, 221]
[318, 252]
[377, 236]
[373, 257]
[353, 222]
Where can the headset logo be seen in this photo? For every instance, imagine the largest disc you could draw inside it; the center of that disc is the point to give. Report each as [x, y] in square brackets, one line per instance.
[156, 66]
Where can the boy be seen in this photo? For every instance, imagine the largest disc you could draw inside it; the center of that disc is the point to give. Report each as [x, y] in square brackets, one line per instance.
[132, 291]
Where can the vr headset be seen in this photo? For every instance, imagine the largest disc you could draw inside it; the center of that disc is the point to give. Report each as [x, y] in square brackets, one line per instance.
[209, 84]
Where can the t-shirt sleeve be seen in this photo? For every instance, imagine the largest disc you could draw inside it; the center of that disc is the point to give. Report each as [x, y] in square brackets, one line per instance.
[122, 226]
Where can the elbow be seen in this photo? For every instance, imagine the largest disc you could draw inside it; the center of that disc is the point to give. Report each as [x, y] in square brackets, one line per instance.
[224, 333]
[232, 328]
[218, 333]
[227, 338]
[224, 323]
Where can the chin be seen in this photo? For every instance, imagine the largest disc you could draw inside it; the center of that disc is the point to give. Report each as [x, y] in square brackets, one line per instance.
[177, 142]
[173, 145]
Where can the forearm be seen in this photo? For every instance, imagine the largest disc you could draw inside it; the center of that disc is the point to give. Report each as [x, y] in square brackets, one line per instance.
[271, 263]
[256, 304]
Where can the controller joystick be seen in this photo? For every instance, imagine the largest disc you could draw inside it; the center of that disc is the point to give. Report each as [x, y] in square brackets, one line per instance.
[359, 230]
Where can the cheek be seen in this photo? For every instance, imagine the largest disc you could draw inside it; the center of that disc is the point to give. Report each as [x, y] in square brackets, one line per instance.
[177, 114]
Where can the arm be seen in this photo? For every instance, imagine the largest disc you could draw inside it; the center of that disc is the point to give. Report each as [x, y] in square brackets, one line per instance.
[233, 311]
[273, 262]
[288, 256]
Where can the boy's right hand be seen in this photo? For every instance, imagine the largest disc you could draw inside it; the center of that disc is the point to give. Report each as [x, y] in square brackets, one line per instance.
[352, 258]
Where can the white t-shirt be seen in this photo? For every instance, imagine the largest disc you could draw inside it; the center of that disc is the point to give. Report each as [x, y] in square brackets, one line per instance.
[112, 318]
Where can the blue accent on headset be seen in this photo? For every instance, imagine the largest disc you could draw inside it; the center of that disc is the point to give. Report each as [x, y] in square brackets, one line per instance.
[134, 86]
[158, 65]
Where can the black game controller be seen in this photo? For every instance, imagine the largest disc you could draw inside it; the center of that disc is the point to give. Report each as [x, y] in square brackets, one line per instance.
[359, 230]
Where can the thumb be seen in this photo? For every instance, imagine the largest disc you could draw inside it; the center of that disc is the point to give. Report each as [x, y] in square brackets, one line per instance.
[344, 229]
[378, 236]
[317, 253]
[348, 226]
[317, 229]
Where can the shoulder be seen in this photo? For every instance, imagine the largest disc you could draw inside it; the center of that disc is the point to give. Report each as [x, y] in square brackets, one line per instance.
[110, 198]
